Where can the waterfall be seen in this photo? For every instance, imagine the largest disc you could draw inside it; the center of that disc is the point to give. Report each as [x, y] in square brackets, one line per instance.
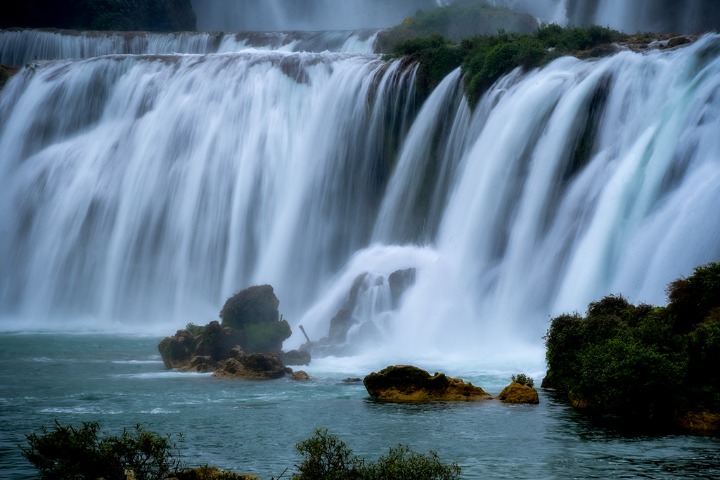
[139, 191]
[630, 16]
[308, 15]
[21, 47]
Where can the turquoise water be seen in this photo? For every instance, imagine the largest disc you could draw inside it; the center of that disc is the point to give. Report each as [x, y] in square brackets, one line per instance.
[253, 426]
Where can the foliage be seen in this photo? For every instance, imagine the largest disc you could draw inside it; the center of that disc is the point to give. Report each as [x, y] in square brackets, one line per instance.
[643, 361]
[484, 59]
[326, 457]
[692, 298]
[402, 463]
[68, 452]
[523, 379]
[195, 330]
[461, 19]
[266, 337]
[436, 57]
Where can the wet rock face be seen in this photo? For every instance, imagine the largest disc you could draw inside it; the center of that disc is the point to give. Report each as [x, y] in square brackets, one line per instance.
[406, 383]
[398, 283]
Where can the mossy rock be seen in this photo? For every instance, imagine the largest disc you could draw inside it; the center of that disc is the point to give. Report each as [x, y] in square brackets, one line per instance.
[407, 383]
[257, 304]
[519, 393]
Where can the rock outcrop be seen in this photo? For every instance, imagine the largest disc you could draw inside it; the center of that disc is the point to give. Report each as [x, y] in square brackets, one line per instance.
[295, 357]
[247, 344]
[254, 311]
[344, 319]
[252, 366]
[519, 393]
[406, 383]
[300, 376]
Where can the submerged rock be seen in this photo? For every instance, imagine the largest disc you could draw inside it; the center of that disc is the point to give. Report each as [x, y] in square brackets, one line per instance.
[209, 473]
[519, 393]
[300, 376]
[406, 383]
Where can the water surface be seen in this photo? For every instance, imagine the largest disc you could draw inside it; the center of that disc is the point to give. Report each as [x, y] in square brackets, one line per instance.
[253, 426]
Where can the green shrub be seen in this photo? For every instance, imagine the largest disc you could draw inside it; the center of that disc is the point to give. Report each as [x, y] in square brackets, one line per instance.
[436, 57]
[266, 337]
[692, 299]
[68, 452]
[486, 58]
[643, 362]
[402, 463]
[326, 457]
[523, 379]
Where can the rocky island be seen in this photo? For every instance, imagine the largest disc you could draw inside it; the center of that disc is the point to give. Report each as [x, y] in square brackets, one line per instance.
[247, 343]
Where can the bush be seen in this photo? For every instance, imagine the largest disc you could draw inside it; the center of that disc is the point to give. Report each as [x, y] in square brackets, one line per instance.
[643, 362]
[68, 452]
[692, 299]
[402, 463]
[326, 457]
[484, 58]
[436, 56]
[523, 379]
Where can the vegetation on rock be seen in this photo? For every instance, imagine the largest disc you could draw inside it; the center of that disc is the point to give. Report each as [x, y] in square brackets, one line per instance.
[523, 379]
[326, 457]
[484, 59]
[406, 383]
[644, 362]
[153, 15]
[461, 19]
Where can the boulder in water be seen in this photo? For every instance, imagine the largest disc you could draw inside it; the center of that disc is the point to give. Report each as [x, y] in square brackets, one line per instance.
[519, 393]
[407, 383]
[251, 323]
[252, 366]
[178, 349]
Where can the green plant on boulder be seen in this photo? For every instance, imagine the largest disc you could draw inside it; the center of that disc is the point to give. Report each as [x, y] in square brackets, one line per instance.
[266, 337]
[523, 379]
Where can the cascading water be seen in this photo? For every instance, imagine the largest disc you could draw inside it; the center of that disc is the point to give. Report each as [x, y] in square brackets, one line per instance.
[630, 16]
[139, 191]
[22, 47]
[309, 15]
